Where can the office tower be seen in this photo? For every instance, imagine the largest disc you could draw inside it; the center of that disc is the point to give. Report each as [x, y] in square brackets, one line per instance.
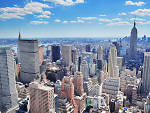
[76, 97]
[74, 55]
[66, 54]
[41, 56]
[79, 64]
[111, 87]
[146, 74]
[99, 64]
[147, 105]
[133, 42]
[100, 54]
[8, 92]
[120, 63]
[78, 83]
[41, 98]
[85, 70]
[113, 70]
[55, 53]
[88, 48]
[28, 51]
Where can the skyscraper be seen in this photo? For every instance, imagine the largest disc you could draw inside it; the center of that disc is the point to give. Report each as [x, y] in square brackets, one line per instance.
[55, 53]
[8, 92]
[133, 42]
[88, 48]
[146, 74]
[66, 54]
[29, 58]
[100, 53]
[41, 98]
[113, 70]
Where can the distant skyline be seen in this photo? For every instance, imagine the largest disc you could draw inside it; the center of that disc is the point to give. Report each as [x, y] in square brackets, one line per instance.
[73, 18]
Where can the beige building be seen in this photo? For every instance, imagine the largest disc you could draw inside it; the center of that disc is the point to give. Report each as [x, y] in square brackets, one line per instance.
[41, 98]
[113, 70]
[100, 53]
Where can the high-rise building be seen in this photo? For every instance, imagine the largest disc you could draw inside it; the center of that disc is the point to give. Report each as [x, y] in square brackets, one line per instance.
[28, 51]
[100, 53]
[79, 63]
[88, 48]
[66, 54]
[147, 105]
[41, 56]
[146, 74]
[74, 55]
[85, 70]
[133, 42]
[8, 92]
[55, 53]
[113, 70]
[41, 98]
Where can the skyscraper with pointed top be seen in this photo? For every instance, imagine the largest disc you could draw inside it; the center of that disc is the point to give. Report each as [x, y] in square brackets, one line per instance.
[133, 42]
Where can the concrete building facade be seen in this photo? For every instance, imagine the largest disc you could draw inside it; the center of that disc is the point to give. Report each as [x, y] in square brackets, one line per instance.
[29, 58]
[8, 92]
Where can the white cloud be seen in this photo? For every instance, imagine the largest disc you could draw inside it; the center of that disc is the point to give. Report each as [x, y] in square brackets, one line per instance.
[28, 9]
[122, 14]
[78, 21]
[118, 23]
[87, 18]
[10, 15]
[104, 20]
[134, 3]
[57, 20]
[43, 16]
[66, 2]
[141, 12]
[146, 23]
[136, 19]
[102, 15]
[117, 19]
[65, 22]
[39, 22]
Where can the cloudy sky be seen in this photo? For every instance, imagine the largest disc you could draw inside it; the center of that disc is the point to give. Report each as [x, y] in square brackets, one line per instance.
[73, 18]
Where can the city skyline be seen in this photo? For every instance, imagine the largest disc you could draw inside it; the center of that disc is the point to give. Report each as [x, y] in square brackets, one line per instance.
[73, 18]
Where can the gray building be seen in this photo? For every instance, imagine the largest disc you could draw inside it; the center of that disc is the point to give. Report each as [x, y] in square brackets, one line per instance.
[28, 55]
[8, 92]
[133, 42]
[146, 74]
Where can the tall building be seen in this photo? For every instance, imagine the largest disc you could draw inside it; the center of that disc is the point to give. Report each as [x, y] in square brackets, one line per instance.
[41, 98]
[147, 105]
[146, 74]
[85, 70]
[133, 42]
[74, 55]
[100, 53]
[66, 54]
[113, 70]
[8, 92]
[41, 56]
[28, 51]
[88, 48]
[55, 53]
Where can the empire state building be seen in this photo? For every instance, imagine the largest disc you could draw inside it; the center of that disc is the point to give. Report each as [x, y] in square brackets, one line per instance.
[133, 42]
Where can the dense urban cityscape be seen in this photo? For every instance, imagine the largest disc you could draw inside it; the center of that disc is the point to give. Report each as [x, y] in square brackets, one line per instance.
[75, 75]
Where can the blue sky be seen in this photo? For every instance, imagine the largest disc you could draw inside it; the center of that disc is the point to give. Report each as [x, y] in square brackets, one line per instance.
[73, 18]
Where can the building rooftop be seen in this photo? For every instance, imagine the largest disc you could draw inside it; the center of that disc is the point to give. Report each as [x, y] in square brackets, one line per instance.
[40, 86]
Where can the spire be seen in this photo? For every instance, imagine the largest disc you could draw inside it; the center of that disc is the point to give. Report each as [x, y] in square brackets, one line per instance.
[19, 36]
[134, 23]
